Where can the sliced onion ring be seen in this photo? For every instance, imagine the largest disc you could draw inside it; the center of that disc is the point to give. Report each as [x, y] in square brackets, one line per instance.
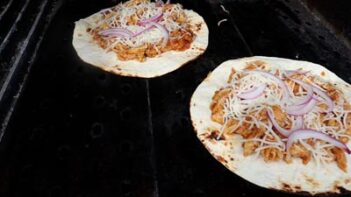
[155, 18]
[302, 134]
[127, 33]
[298, 124]
[253, 92]
[280, 82]
[163, 31]
[298, 110]
[281, 130]
[307, 87]
[117, 32]
[143, 31]
[325, 97]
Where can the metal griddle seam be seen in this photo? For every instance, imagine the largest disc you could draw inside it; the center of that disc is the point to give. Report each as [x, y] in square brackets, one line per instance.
[13, 27]
[30, 64]
[5, 9]
[15, 65]
[151, 132]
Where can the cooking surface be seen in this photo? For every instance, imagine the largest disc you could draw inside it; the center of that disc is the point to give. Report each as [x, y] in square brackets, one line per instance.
[79, 131]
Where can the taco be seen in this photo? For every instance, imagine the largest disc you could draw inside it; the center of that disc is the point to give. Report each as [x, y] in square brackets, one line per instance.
[278, 123]
[141, 38]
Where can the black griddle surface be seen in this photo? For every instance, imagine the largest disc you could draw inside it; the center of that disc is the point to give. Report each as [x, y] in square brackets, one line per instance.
[79, 131]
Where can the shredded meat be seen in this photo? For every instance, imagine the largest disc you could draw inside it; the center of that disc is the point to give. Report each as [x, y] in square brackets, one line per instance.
[348, 124]
[232, 73]
[297, 150]
[255, 65]
[126, 53]
[249, 133]
[135, 2]
[272, 154]
[333, 93]
[248, 129]
[281, 117]
[179, 40]
[217, 105]
[230, 126]
[340, 158]
[249, 147]
[333, 123]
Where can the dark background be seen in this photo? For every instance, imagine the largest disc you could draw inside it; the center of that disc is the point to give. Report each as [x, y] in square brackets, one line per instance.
[69, 129]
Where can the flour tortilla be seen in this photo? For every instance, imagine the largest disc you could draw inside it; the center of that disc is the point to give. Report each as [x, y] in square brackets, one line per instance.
[164, 63]
[294, 177]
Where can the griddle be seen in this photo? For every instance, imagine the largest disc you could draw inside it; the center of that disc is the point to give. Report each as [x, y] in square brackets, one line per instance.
[69, 129]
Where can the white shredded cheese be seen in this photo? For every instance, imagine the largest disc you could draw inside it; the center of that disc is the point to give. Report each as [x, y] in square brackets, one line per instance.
[317, 119]
[118, 17]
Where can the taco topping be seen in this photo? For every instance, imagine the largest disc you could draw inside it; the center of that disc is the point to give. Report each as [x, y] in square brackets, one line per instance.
[284, 115]
[138, 29]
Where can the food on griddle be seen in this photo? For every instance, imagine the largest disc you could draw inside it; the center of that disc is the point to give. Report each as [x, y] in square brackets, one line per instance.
[141, 38]
[277, 122]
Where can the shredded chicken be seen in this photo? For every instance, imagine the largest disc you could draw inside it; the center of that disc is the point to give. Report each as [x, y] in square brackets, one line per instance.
[272, 154]
[179, 39]
[297, 150]
[257, 138]
[340, 158]
[217, 105]
[249, 147]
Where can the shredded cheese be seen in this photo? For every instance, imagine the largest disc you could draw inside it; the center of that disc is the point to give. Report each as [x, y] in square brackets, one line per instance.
[247, 111]
[121, 16]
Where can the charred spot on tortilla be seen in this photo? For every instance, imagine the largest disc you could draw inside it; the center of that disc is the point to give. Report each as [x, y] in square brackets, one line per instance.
[297, 188]
[215, 135]
[221, 159]
[312, 181]
[212, 135]
[145, 38]
[286, 187]
[286, 121]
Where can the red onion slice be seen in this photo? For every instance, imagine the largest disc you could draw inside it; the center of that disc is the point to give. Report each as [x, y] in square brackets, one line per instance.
[307, 87]
[302, 134]
[163, 31]
[294, 107]
[127, 33]
[253, 92]
[116, 32]
[143, 31]
[281, 130]
[325, 97]
[298, 124]
[298, 110]
[155, 18]
[280, 82]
